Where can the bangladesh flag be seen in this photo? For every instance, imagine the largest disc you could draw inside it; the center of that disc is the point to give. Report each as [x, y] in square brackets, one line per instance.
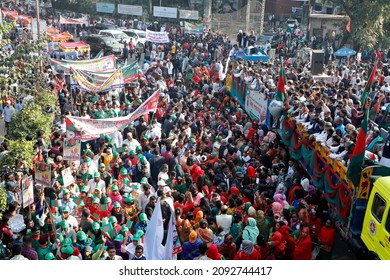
[281, 89]
[355, 165]
[130, 73]
[56, 203]
[367, 89]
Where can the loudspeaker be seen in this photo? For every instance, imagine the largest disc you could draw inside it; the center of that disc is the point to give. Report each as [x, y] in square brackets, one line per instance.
[317, 62]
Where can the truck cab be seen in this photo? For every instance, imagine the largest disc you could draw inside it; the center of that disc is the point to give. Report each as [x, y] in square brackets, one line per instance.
[376, 224]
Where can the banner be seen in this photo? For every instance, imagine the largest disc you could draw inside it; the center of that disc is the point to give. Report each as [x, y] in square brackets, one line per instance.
[27, 191]
[112, 82]
[130, 73]
[256, 105]
[67, 177]
[130, 10]
[107, 8]
[157, 37]
[189, 14]
[79, 21]
[193, 28]
[72, 149]
[43, 174]
[99, 54]
[105, 63]
[164, 12]
[88, 129]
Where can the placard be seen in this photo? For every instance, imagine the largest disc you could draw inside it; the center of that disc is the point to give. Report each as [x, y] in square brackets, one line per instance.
[130, 10]
[43, 174]
[72, 149]
[27, 191]
[67, 177]
[164, 12]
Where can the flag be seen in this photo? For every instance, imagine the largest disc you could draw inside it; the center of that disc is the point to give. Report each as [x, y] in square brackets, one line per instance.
[367, 89]
[56, 203]
[281, 89]
[348, 26]
[172, 245]
[130, 73]
[150, 105]
[154, 235]
[355, 165]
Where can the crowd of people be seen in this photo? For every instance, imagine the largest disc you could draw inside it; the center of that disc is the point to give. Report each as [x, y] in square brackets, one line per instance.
[229, 180]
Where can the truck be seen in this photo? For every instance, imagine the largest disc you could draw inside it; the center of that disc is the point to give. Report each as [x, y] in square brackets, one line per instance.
[361, 213]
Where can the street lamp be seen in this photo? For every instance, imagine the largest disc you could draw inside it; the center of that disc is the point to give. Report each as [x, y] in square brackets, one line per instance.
[38, 27]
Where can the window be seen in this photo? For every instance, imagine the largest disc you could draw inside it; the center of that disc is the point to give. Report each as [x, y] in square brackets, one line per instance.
[388, 222]
[378, 207]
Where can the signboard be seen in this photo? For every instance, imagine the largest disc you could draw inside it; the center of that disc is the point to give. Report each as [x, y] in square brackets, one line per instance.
[67, 177]
[130, 10]
[256, 105]
[107, 8]
[27, 191]
[189, 14]
[72, 149]
[43, 174]
[164, 12]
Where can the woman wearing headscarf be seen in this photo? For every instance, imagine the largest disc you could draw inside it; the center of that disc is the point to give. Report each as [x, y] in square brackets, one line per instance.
[213, 253]
[198, 218]
[228, 247]
[277, 245]
[326, 238]
[184, 231]
[236, 229]
[303, 246]
[247, 251]
[251, 231]
[204, 233]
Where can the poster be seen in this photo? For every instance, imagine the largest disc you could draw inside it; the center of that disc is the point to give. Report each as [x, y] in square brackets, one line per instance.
[27, 191]
[72, 149]
[43, 174]
[164, 12]
[130, 10]
[256, 105]
[67, 177]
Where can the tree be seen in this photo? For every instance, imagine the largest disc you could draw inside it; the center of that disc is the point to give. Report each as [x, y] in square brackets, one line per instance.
[368, 21]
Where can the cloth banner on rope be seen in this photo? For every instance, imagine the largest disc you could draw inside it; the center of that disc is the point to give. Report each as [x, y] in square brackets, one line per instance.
[106, 63]
[88, 129]
[190, 28]
[157, 37]
[83, 82]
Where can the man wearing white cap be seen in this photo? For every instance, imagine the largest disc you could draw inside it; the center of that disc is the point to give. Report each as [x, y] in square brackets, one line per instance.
[8, 112]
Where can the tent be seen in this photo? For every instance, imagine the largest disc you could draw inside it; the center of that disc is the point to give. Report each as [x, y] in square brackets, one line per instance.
[344, 52]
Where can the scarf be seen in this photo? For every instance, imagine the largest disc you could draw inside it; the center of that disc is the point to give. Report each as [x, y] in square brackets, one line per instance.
[213, 253]
[251, 231]
[247, 247]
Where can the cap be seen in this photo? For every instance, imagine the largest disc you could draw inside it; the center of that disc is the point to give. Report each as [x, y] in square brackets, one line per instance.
[124, 171]
[143, 217]
[138, 148]
[161, 183]
[65, 191]
[132, 153]
[101, 165]
[50, 256]
[144, 180]
[95, 200]
[64, 224]
[193, 236]
[66, 209]
[96, 175]
[67, 242]
[113, 219]
[107, 200]
[95, 226]
[81, 235]
[119, 238]
[166, 189]
[124, 228]
[129, 200]
[114, 188]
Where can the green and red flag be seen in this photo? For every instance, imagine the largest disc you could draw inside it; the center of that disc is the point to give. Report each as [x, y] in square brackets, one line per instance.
[130, 73]
[56, 203]
[281, 88]
[355, 165]
[367, 89]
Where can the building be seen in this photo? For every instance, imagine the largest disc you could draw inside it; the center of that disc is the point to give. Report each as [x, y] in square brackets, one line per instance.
[323, 25]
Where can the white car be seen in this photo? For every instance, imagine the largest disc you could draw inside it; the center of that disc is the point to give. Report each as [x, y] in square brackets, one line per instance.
[139, 35]
[292, 22]
[118, 35]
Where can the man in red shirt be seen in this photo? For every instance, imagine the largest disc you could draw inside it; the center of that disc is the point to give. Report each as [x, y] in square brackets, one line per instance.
[131, 47]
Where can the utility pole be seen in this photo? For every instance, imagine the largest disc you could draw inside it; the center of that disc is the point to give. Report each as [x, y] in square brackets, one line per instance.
[262, 14]
[38, 18]
[248, 16]
[207, 11]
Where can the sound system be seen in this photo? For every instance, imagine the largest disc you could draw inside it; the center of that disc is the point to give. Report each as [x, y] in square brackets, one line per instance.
[317, 62]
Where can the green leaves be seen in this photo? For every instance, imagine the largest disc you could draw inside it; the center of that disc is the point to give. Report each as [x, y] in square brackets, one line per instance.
[3, 202]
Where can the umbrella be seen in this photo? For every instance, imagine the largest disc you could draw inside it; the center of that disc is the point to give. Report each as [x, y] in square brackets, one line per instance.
[344, 52]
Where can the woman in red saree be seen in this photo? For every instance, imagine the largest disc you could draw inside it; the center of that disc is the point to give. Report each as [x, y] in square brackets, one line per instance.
[303, 247]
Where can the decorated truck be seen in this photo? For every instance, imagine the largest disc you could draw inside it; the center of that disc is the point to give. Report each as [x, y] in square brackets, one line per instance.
[362, 213]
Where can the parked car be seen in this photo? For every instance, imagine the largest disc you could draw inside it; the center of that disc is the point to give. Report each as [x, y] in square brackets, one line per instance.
[139, 35]
[292, 22]
[118, 35]
[105, 26]
[108, 44]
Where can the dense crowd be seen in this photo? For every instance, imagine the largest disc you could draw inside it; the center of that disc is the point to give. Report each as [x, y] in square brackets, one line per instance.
[230, 182]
